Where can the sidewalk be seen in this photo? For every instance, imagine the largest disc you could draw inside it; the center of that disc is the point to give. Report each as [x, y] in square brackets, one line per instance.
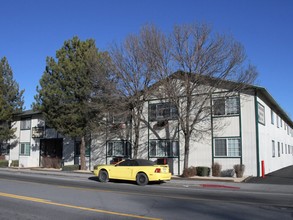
[193, 182]
[86, 173]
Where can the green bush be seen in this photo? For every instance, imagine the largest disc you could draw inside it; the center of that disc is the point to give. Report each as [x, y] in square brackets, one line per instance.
[190, 171]
[203, 171]
[3, 163]
[70, 167]
[14, 163]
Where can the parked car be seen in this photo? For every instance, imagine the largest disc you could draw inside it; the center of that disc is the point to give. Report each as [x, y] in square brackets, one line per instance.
[139, 170]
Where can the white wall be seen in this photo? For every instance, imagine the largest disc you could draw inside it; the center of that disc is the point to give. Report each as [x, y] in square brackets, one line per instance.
[248, 134]
[268, 133]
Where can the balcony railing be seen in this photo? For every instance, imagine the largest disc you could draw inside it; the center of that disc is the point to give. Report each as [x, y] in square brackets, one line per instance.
[38, 132]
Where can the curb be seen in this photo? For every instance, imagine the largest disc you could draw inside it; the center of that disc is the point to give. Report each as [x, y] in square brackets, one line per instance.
[59, 172]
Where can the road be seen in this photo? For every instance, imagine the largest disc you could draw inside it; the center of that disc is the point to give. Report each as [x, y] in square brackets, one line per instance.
[32, 196]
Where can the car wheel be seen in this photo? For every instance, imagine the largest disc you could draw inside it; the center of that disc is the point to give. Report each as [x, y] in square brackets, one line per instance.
[103, 176]
[142, 179]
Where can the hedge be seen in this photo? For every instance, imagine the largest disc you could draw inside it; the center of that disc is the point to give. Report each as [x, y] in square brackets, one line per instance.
[70, 167]
[3, 163]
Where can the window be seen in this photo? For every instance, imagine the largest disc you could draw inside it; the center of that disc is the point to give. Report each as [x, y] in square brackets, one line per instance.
[162, 111]
[282, 148]
[272, 117]
[119, 148]
[226, 106]
[286, 151]
[25, 124]
[25, 149]
[227, 147]
[261, 114]
[164, 148]
[232, 105]
[279, 152]
[273, 149]
[77, 149]
[120, 118]
[278, 122]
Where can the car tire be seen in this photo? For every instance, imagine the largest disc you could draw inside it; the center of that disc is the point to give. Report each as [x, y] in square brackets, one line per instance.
[142, 179]
[103, 176]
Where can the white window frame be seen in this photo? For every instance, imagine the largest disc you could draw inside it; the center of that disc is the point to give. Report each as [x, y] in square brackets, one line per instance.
[118, 148]
[25, 124]
[228, 148]
[261, 114]
[273, 149]
[163, 148]
[24, 149]
[162, 111]
[272, 117]
[231, 108]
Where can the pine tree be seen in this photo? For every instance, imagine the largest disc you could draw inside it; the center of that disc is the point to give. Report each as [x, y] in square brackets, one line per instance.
[11, 102]
[67, 90]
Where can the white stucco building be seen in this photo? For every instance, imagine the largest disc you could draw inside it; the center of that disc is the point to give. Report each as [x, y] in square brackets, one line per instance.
[247, 128]
[37, 145]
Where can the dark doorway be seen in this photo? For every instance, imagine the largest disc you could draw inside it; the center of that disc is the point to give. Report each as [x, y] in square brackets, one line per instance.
[51, 153]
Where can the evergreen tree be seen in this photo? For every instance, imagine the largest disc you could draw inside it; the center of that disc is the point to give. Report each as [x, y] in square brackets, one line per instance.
[68, 90]
[11, 102]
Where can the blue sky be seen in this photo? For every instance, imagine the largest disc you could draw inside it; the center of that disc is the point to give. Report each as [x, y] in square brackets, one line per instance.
[31, 30]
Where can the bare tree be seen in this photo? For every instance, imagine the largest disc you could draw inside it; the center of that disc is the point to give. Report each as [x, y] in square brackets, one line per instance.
[204, 62]
[133, 78]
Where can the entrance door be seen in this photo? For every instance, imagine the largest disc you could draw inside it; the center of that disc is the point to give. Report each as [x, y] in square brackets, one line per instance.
[51, 152]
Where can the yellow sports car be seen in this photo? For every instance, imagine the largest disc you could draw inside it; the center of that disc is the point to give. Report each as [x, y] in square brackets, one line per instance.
[139, 170]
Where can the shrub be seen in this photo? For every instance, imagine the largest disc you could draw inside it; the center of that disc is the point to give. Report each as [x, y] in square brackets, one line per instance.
[203, 171]
[14, 163]
[190, 171]
[51, 162]
[3, 163]
[228, 173]
[216, 169]
[239, 170]
[70, 167]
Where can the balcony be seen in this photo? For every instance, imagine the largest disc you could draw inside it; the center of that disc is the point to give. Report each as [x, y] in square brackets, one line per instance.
[38, 132]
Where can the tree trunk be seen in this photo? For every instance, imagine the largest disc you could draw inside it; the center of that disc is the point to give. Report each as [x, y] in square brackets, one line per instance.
[82, 154]
[136, 142]
[186, 151]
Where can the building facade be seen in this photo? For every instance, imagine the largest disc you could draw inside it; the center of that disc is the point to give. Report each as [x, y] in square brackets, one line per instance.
[247, 128]
[37, 145]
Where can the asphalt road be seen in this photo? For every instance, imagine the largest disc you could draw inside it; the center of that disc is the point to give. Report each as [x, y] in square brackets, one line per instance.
[35, 196]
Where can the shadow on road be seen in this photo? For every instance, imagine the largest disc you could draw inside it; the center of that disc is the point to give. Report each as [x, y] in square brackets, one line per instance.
[96, 179]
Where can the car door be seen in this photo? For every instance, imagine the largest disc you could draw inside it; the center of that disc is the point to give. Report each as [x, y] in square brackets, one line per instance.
[122, 170]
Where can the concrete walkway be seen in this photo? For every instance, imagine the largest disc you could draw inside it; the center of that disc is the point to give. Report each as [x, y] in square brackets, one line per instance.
[59, 172]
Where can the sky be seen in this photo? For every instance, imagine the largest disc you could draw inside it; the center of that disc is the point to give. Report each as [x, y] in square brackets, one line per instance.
[31, 30]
